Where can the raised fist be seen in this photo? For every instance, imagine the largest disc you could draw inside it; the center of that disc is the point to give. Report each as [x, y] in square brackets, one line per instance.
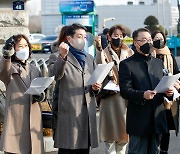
[63, 49]
[98, 41]
[8, 49]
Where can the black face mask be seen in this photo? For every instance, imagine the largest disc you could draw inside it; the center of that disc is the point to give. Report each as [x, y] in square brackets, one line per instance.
[146, 48]
[158, 44]
[116, 42]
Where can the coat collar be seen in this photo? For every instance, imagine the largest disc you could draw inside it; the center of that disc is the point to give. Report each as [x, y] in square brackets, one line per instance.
[24, 72]
[143, 57]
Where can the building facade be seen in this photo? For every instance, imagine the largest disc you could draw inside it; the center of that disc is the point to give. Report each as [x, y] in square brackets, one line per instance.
[130, 13]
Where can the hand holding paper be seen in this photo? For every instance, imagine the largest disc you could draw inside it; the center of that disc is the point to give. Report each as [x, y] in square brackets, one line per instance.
[38, 85]
[96, 86]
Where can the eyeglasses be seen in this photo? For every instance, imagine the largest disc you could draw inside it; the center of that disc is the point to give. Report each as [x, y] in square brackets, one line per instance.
[145, 40]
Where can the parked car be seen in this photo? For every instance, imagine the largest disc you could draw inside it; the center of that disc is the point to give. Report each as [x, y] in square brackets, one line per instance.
[35, 37]
[44, 44]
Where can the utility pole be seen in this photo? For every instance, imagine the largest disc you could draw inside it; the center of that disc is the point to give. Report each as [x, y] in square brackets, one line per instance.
[178, 25]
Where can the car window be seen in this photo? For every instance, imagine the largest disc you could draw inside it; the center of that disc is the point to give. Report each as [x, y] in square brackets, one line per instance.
[38, 37]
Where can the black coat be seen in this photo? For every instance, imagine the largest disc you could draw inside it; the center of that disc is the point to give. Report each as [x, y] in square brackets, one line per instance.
[138, 74]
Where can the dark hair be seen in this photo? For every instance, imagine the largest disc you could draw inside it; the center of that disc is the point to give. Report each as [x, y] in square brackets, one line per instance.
[156, 32]
[113, 28]
[136, 32]
[105, 31]
[17, 39]
[71, 30]
[62, 35]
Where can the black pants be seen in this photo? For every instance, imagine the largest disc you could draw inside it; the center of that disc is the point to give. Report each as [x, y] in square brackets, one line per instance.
[144, 144]
[164, 145]
[75, 151]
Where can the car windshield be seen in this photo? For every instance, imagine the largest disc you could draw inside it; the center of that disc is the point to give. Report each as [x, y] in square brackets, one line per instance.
[49, 38]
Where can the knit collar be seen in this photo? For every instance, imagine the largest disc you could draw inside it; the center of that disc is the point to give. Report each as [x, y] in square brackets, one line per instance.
[143, 57]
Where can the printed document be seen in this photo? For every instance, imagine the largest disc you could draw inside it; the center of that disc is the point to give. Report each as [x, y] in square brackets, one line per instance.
[100, 73]
[38, 85]
[166, 82]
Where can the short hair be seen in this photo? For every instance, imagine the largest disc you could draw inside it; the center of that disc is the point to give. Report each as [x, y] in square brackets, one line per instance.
[71, 30]
[136, 32]
[113, 28]
[105, 31]
[156, 32]
[17, 39]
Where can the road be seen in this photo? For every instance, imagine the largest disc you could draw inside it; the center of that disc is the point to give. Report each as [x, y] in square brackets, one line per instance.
[174, 147]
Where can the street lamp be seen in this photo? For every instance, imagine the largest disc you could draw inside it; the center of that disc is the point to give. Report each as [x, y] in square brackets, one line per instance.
[107, 19]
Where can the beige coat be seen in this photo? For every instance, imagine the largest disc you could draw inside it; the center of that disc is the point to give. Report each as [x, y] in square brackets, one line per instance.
[22, 132]
[76, 119]
[112, 124]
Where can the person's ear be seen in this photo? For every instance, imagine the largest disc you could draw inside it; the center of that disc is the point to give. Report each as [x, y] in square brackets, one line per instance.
[135, 44]
[68, 38]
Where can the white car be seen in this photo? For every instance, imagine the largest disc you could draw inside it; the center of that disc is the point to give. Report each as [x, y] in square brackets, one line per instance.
[35, 37]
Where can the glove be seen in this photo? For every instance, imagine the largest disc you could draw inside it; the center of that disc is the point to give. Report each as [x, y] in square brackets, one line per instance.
[38, 98]
[8, 49]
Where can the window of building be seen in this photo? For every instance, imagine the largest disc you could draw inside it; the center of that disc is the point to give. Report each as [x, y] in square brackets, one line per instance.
[154, 1]
[129, 3]
[141, 3]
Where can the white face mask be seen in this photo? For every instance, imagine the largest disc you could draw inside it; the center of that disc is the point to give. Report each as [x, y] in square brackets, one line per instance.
[23, 54]
[79, 44]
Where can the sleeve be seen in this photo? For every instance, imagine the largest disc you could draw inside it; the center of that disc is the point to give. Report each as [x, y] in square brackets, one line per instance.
[126, 85]
[100, 58]
[175, 66]
[5, 70]
[93, 92]
[59, 67]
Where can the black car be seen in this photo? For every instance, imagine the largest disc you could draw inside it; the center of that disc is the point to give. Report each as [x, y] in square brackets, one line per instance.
[44, 44]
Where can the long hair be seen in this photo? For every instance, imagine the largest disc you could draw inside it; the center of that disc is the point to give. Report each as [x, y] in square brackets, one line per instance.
[62, 35]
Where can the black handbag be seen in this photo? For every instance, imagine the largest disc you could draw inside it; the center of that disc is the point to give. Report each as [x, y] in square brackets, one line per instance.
[47, 118]
[104, 94]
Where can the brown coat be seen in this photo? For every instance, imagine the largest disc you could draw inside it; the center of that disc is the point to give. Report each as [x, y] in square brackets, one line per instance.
[112, 123]
[76, 119]
[22, 132]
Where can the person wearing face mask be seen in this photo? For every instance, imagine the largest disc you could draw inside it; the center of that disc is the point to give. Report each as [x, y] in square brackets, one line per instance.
[22, 129]
[76, 129]
[172, 109]
[138, 77]
[112, 106]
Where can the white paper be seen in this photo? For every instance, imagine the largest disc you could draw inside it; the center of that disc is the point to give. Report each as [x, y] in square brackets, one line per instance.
[38, 85]
[111, 86]
[100, 73]
[166, 83]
